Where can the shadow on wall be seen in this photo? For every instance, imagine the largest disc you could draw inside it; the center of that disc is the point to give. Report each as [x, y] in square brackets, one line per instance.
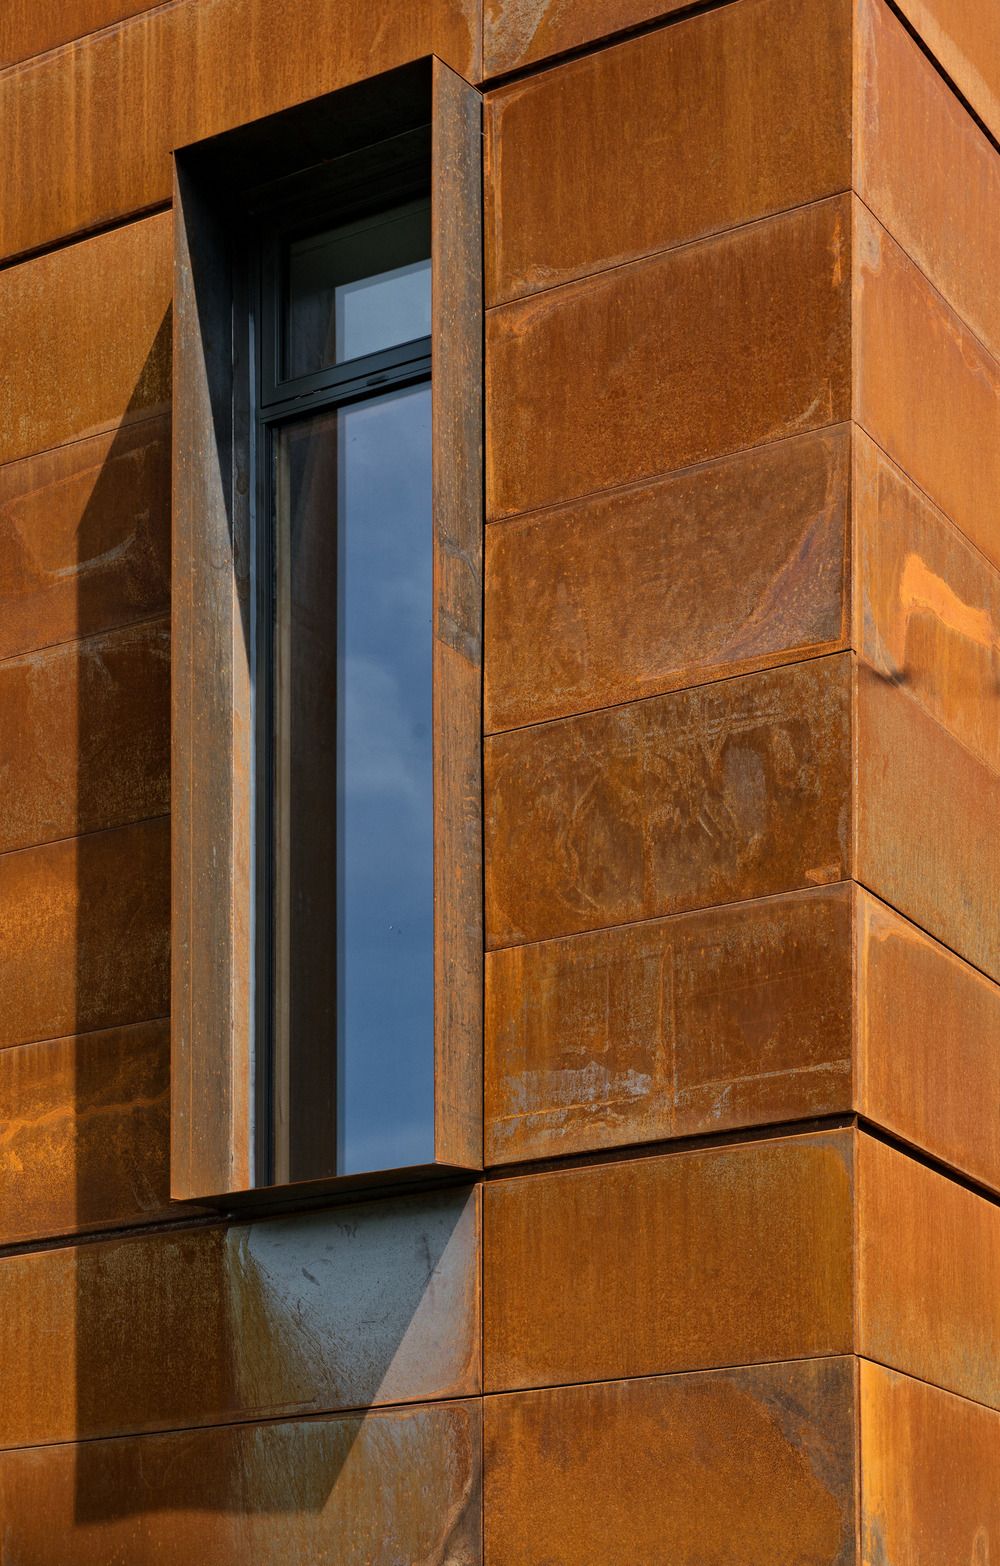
[223, 1325]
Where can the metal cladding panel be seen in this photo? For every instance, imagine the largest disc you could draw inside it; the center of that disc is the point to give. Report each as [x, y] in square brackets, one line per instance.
[728, 791]
[87, 724]
[741, 1468]
[964, 36]
[926, 604]
[29, 27]
[926, 812]
[371, 1304]
[85, 928]
[925, 388]
[725, 1017]
[930, 1473]
[124, 98]
[373, 1490]
[86, 1132]
[926, 169]
[731, 566]
[717, 346]
[692, 1260]
[564, 149]
[928, 1274]
[67, 374]
[927, 1030]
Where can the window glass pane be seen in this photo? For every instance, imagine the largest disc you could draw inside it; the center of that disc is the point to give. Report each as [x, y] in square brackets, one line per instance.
[358, 289]
[354, 899]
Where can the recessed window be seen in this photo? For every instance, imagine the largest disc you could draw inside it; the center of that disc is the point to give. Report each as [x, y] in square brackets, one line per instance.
[327, 888]
[343, 575]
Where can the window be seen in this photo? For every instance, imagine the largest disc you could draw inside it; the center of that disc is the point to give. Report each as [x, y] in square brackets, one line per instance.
[327, 728]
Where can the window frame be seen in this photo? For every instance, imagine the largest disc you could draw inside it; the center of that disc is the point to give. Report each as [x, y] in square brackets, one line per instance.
[218, 195]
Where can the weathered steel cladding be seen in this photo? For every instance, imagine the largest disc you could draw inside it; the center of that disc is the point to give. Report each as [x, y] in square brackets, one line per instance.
[925, 387]
[741, 1468]
[926, 169]
[709, 159]
[801, 1246]
[121, 100]
[391, 1485]
[84, 933]
[67, 374]
[964, 36]
[670, 360]
[365, 1305]
[30, 27]
[85, 537]
[725, 791]
[85, 1132]
[726, 1017]
[713, 571]
[930, 1473]
[687, 1261]
[85, 735]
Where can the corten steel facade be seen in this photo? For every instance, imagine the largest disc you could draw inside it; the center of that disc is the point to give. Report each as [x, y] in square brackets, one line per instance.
[728, 1287]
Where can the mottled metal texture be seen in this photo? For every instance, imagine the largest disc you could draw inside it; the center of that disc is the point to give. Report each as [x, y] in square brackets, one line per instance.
[122, 99]
[926, 604]
[723, 568]
[85, 1132]
[930, 1474]
[726, 791]
[374, 1490]
[964, 35]
[704, 350]
[594, 123]
[30, 27]
[85, 735]
[84, 933]
[741, 1468]
[925, 387]
[353, 1307]
[925, 815]
[928, 1273]
[926, 169]
[519, 32]
[66, 373]
[727, 1017]
[85, 537]
[687, 1261]
[927, 1064]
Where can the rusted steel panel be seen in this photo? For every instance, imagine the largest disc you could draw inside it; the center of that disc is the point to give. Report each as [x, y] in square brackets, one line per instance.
[85, 537]
[926, 813]
[728, 791]
[85, 735]
[396, 1485]
[741, 1468]
[85, 1132]
[928, 1273]
[926, 604]
[924, 386]
[736, 1016]
[103, 117]
[518, 32]
[724, 344]
[928, 1026]
[84, 335]
[84, 933]
[688, 1261]
[964, 37]
[926, 170]
[735, 565]
[586, 168]
[371, 1304]
[930, 1474]
[29, 27]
